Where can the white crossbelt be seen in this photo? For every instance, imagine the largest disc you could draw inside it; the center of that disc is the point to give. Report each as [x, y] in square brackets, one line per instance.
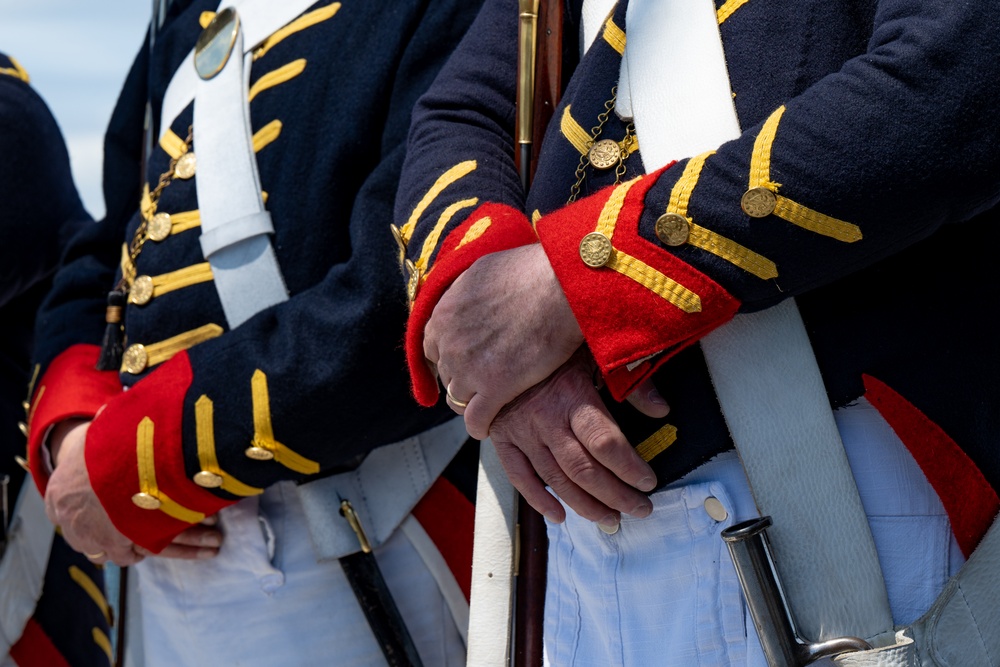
[22, 570]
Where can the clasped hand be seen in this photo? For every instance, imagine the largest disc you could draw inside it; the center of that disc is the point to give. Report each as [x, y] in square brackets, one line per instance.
[510, 354]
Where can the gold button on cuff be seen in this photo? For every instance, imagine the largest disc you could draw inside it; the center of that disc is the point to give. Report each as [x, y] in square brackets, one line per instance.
[141, 291]
[604, 154]
[673, 229]
[146, 501]
[208, 480]
[186, 166]
[259, 453]
[135, 359]
[758, 202]
[413, 282]
[159, 226]
[595, 249]
[215, 43]
[23, 428]
[23, 462]
[715, 509]
[26, 406]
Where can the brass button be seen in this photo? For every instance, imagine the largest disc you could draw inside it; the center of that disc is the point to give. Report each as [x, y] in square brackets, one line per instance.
[141, 291]
[23, 428]
[215, 43]
[259, 453]
[604, 154]
[595, 249]
[135, 359]
[758, 202]
[208, 480]
[413, 282]
[186, 166]
[159, 227]
[146, 501]
[715, 509]
[673, 229]
[26, 406]
[397, 234]
[609, 531]
[23, 462]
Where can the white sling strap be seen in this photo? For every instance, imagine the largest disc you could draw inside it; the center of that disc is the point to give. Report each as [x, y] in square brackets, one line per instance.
[22, 570]
[677, 85]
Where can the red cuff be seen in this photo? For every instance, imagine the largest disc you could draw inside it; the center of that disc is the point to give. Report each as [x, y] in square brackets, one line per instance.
[149, 412]
[507, 228]
[72, 387]
[626, 322]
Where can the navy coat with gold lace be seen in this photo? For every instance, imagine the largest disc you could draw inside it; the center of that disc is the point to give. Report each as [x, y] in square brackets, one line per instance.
[870, 146]
[317, 381]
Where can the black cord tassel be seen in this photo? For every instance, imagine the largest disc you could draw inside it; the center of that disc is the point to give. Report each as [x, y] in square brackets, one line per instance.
[114, 333]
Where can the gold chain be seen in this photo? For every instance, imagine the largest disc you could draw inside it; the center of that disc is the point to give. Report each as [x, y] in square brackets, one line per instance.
[595, 132]
[142, 231]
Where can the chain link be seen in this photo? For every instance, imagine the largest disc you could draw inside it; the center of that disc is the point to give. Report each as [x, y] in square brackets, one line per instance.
[142, 231]
[625, 146]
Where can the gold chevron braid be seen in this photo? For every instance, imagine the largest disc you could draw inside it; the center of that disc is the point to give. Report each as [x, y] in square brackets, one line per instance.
[147, 476]
[204, 415]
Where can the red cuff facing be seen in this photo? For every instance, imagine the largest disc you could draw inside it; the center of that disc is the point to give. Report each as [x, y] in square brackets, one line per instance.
[490, 228]
[643, 304]
[972, 504]
[72, 387]
[135, 460]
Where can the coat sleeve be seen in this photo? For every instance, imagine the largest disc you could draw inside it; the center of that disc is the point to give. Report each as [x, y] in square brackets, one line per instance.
[860, 164]
[310, 385]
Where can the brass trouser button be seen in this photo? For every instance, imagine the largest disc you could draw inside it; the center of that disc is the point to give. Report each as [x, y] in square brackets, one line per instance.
[673, 229]
[595, 249]
[208, 480]
[715, 509]
[146, 501]
[135, 359]
[258, 453]
[186, 166]
[141, 291]
[159, 226]
[758, 202]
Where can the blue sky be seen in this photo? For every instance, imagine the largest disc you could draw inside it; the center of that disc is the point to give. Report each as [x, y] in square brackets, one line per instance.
[77, 53]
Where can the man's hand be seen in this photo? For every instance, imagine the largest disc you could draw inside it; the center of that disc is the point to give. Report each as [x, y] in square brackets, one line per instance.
[71, 503]
[560, 434]
[501, 328]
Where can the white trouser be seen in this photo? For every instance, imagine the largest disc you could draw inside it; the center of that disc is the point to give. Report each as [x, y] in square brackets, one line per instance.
[663, 590]
[265, 600]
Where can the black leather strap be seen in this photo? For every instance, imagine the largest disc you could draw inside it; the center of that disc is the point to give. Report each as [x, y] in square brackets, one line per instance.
[380, 609]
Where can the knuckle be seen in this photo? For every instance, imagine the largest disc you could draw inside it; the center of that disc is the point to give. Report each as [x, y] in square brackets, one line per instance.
[583, 471]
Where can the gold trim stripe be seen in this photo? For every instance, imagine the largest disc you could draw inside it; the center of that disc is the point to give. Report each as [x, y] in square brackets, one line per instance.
[263, 137]
[91, 589]
[430, 243]
[613, 208]
[680, 195]
[147, 476]
[16, 71]
[797, 214]
[157, 353]
[728, 8]
[299, 24]
[707, 240]
[574, 132]
[732, 252]
[102, 640]
[181, 278]
[477, 229]
[128, 270]
[657, 443]
[38, 400]
[204, 419]
[806, 218]
[172, 145]
[614, 36]
[264, 433]
[653, 280]
[181, 222]
[277, 77]
[460, 170]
